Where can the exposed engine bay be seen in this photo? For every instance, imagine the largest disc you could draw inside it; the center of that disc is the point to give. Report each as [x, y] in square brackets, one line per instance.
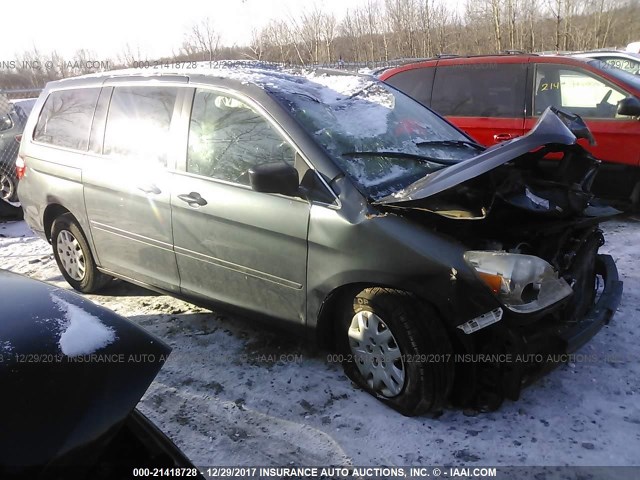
[526, 213]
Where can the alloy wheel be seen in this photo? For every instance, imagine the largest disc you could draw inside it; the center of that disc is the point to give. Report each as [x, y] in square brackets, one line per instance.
[6, 187]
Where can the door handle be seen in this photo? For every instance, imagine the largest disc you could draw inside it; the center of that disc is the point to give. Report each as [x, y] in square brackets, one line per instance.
[151, 188]
[503, 137]
[193, 199]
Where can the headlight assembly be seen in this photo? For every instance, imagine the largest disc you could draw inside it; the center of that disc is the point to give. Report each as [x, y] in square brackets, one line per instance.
[523, 283]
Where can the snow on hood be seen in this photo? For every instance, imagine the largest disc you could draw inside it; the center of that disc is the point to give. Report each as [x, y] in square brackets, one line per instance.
[81, 333]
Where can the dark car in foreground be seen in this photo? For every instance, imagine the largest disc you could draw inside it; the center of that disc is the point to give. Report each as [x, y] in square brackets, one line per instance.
[71, 374]
[333, 203]
[13, 117]
[495, 98]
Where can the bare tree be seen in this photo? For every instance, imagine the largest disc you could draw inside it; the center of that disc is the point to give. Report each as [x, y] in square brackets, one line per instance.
[279, 34]
[556, 9]
[258, 43]
[203, 40]
[130, 55]
[497, 23]
[328, 32]
[381, 30]
[530, 8]
[425, 14]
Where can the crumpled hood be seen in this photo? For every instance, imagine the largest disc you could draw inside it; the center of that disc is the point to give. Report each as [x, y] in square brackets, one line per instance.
[550, 129]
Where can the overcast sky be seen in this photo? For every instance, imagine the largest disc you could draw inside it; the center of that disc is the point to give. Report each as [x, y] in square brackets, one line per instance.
[156, 27]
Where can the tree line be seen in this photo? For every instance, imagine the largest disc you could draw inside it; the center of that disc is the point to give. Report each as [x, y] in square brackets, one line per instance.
[377, 31]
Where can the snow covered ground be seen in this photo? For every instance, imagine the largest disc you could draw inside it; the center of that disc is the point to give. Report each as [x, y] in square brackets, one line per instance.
[234, 392]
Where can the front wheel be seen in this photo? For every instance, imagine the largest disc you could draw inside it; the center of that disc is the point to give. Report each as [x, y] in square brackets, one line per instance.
[73, 256]
[396, 348]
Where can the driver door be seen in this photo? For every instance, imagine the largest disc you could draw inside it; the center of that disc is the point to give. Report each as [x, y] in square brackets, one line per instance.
[595, 100]
[234, 245]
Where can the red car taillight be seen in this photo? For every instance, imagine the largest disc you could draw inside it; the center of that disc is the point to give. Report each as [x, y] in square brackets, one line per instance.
[20, 167]
[18, 138]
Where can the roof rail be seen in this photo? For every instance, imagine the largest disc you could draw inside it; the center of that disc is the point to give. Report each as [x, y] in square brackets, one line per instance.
[20, 90]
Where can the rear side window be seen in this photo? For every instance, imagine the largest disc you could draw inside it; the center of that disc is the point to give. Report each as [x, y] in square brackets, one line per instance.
[5, 119]
[480, 90]
[416, 83]
[138, 123]
[5, 122]
[66, 118]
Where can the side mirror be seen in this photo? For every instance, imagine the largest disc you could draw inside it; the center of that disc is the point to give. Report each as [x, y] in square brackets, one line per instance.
[277, 177]
[629, 106]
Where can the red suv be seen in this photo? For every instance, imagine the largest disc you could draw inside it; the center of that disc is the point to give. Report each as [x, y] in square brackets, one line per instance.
[499, 97]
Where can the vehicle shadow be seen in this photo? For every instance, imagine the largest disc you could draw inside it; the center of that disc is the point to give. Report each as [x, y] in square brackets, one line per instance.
[121, 288]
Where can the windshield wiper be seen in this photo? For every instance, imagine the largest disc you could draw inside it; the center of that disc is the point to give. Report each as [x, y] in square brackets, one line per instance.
[408, 156]
[453, 143]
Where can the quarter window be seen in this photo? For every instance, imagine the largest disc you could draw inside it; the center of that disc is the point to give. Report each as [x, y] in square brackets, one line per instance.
[138, 123]
[480, 90]
[66, 118]
[227, 137]
[417, 83]
[574, 90]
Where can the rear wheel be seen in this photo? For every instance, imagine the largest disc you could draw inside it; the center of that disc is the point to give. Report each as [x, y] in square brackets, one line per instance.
[396, 348]
[73, 256]
[8, 188]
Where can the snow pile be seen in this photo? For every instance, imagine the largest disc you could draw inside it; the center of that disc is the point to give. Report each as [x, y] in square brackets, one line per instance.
[83, 333]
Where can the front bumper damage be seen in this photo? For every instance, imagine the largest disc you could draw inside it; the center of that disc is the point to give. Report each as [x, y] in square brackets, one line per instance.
[508, 356]
[602, 312]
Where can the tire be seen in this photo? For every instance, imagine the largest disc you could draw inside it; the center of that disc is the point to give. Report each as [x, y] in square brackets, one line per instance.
[8, 188]
[419, 376]
[73, 256]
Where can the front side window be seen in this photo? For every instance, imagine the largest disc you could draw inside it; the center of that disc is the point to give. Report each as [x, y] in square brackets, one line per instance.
[138, 123]
[574, 90]
[480, 90]
[66, 118]
[227, 137]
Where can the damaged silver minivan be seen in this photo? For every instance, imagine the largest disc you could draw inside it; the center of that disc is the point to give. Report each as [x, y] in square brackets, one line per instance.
[443, 273]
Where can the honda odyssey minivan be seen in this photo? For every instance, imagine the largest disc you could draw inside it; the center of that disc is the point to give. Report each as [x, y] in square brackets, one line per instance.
[332, 202]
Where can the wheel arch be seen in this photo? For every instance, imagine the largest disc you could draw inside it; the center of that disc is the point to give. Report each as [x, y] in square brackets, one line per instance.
[328, 315]
[53, 211]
